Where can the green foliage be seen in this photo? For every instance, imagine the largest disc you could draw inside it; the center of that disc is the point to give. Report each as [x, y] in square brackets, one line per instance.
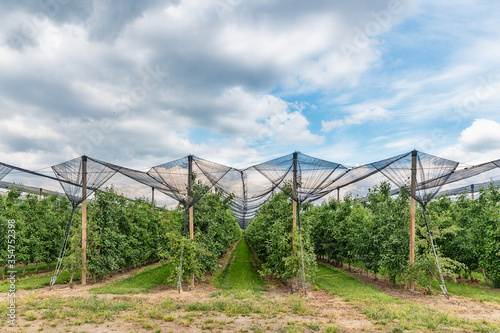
[39, 226]
[374, 232]
[215, 230]
[120, 233]
[471, 231]
[273, 239]
[490, 229]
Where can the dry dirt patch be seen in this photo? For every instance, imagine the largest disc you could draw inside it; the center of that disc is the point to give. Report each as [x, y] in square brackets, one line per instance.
[456, 305]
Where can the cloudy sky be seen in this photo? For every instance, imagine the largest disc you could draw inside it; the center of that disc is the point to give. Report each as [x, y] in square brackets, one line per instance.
[139, 83]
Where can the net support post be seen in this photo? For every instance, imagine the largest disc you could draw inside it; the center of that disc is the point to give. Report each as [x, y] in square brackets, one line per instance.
[84, 220]
[472, 191]
[191, 208]
[294, 191]
[413, 188]
[152, 198]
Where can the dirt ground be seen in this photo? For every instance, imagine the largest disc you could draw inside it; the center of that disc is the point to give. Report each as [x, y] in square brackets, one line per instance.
[456, 305]
[325, 311]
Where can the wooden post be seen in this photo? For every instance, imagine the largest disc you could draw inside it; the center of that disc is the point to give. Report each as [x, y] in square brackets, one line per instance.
[294, 191]
[472, 191]
[84, 220]
[191, 209]
[190, 186]
[244, 198]
[413, 190]
[152, 198]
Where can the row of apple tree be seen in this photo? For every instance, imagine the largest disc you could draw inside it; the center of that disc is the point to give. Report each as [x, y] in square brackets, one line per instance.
[121, 233]
[374, 234]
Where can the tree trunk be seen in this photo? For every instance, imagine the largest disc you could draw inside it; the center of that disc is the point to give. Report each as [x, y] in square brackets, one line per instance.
[36, 269]
[24, 268]
[71, 278]
[470, 275]
[430, 281]
[485, 277]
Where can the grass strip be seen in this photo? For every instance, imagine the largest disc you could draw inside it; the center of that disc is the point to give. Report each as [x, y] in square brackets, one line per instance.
[36, 282]
[474, 292]
[240, 273]
[30, 269]
[388, 312]
[141, 282]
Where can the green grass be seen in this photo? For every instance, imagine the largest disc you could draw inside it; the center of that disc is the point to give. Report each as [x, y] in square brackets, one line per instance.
[240, 273]
[77, 310]
[389, 312]
[142, 282]
[37, 282]
[266, 307]
[42, 268]
[474, 292]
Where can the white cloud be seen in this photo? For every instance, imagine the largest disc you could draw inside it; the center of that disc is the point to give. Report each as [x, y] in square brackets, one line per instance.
[478, 143]
[377, 114]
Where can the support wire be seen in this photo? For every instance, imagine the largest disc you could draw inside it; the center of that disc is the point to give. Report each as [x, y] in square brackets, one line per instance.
[58, 269]
[442, 285]
[179, 281]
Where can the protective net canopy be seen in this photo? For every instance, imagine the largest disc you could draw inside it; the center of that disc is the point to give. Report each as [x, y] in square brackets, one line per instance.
[431, 173]
[70, 175]
[187, 179]
[313, 177]
[181, 176]
[4, 170]
[139, 176]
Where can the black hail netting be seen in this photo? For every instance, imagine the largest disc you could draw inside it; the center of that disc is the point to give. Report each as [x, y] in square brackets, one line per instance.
[71, 171]
[249, 191]
[4, 170]
[314, 177]
[176, 176]
[139, 176]
[472, 188]
[431, 173]
[352, 178]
